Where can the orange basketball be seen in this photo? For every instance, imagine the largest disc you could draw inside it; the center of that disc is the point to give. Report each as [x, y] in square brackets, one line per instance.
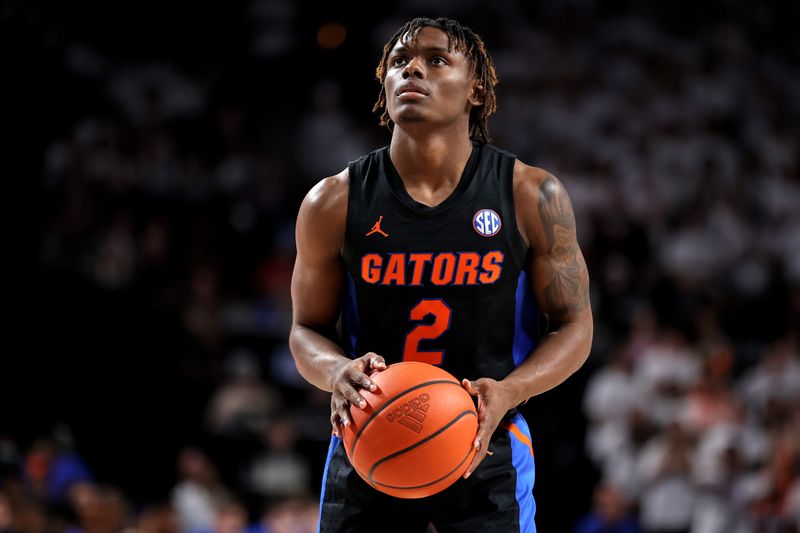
[415, 436]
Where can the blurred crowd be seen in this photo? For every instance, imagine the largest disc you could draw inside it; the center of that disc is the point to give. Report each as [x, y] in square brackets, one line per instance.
[164, 246]
[53, 490]
[690, 444]
[684, 170]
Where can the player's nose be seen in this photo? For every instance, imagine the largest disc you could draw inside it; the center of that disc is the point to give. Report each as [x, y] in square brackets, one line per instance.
[414, 68]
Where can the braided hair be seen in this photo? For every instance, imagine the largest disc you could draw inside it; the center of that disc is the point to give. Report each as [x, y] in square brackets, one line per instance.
[464, 40]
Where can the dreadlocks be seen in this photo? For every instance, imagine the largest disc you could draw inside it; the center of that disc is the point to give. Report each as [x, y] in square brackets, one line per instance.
[464, 40]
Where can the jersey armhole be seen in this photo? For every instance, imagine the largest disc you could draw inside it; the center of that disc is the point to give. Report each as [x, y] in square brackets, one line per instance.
[352, 191]
[519, 247]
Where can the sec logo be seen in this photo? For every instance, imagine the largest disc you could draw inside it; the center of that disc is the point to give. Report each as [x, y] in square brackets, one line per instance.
[487, 222]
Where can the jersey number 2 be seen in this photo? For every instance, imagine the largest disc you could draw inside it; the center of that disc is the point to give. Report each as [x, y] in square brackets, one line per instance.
[441, 322]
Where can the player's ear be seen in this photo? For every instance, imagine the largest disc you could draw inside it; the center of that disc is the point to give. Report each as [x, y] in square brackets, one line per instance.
[476, 94]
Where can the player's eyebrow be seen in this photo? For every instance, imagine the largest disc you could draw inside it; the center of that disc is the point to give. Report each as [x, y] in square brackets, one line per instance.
[439, 49]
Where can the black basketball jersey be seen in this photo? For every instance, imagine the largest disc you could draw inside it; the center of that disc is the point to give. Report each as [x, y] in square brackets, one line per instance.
[445, 284]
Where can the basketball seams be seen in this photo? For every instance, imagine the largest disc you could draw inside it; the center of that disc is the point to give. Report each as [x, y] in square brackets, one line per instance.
[393, 487]
[390, 401]
[417, 444]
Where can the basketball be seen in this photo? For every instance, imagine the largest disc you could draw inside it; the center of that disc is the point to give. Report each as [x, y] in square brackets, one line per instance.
[415, 436]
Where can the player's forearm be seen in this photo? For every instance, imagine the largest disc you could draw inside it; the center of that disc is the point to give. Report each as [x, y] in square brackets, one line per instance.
[317, 357]
[557, 357]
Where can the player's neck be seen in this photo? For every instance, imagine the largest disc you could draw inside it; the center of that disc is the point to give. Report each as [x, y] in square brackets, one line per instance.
[435, 161]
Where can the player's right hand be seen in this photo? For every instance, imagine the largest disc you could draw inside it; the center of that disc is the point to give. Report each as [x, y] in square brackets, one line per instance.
[353, 375]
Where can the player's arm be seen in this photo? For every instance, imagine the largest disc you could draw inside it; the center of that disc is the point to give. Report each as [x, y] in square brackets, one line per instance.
[317, 284]
[560, 281]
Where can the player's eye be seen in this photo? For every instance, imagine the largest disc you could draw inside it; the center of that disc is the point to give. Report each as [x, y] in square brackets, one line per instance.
[398, 60]
[439, 60]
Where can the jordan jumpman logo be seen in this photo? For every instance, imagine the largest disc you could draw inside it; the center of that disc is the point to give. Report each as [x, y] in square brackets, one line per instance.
[377, 228]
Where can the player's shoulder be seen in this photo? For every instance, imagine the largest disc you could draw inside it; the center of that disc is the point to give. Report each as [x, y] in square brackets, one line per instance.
[329, 195]
[537, 195]
[332, 192]
[327, 201]
[535, 184]
[323, 214]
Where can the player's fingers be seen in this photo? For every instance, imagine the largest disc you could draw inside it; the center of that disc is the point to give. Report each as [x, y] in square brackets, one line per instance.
[335, 421]
[479, 455]
[340, 415]
[340, 419]
[351, 395]
[362, 380]
[486, 427]
[361, 363]
[376, 362]
[479, 394]
[470, 386]
[481, 406]
[484, 433]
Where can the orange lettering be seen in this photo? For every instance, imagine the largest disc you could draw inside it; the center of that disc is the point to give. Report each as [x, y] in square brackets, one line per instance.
[492, 267]
[395, 270]
[441, 322]
[443, 268]
[419, 261]
[371, 268]
[467, 267]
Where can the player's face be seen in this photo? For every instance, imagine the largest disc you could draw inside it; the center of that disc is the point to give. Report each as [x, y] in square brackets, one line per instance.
[426, 83]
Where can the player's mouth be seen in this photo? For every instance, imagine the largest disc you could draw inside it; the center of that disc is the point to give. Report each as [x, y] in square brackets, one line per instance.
[411, 91]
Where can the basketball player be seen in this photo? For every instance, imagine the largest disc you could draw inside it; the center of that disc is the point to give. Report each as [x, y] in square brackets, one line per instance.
[444, 249]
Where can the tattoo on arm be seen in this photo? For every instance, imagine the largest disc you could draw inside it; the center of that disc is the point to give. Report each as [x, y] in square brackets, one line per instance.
[568, 289]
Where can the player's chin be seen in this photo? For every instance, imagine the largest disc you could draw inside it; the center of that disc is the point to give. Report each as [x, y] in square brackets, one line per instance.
[408, 117]
[408, 111]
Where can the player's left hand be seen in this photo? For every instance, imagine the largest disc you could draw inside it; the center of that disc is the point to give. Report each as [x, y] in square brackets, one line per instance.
[494, 401]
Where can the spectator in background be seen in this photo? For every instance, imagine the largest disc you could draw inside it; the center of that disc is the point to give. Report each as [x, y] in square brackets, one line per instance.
[667, 494]
[160, 518]
[31, 516]
[6, 514]
[767, 491]
[610, 513]
[231, 517]
[280, 472]
[298, 515]
[775, 378]
[99, 509]
[198, 494]
[326, 123]
[791, 505]
[50, 471]
[664, 372]
[609, 400]
[243, 404]
[709, 403]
